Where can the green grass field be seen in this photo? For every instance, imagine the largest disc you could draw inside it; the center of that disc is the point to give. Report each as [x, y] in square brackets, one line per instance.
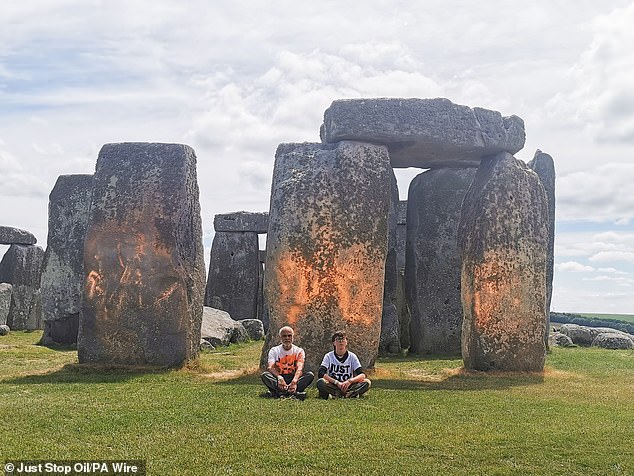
[422, 416]
[618, 317]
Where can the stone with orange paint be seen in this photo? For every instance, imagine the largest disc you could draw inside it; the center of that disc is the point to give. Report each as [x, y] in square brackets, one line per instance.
[63, 270]
[326, 246]
[503, 238]
[143, 258]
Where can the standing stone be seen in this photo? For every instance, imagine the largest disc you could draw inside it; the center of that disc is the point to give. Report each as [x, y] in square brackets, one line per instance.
[433, 264]
[544, 167]
[242, 221]
[143, 258]
[503, 237]
[326, 246]
[63, 271]
[390, 330]
[425, 133]
[232, 283]
[21, 267]
[401, 234]
[15, 236]
[5, 302]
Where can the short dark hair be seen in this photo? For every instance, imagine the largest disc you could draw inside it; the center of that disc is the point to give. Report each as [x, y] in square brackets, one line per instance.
[338, 334]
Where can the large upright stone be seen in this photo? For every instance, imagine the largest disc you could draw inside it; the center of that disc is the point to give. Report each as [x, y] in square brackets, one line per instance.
[242, 221]
[425, 133]
[5, 302]
[16, 236]
[143, 258]
[232, 283]
[326, 246]
[63, 270]
[433, 264]
[390, 325]
[544, 167]
[21, 267]
[503, 237]
[401, 234]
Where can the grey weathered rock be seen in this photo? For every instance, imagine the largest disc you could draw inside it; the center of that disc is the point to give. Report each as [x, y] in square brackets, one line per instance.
[62, 270]
[232, 282]
[585, 335]
[242, 221]
[143, 258]
[254, 328]
[544, 167]
[425, 133]
[503, 237]
[5, 301]
[389, 341]
[433, 262]
[560, 340]
[613, 341]
[205, 345]
[16, 236]
[402, 309]
[218, 328]
[401, 234]
[326, 246]
[580, 335]
[21, 267]
[4, 330]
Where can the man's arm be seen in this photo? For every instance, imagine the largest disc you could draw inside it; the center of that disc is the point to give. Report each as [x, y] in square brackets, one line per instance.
[358, 376]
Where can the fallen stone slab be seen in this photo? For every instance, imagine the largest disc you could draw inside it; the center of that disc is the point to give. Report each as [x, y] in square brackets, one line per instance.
[219, 329]
[425, 133]
[15, 236]
[560, 340]
[242, 221]
[613, 341]
[254, 328]
[585, 335]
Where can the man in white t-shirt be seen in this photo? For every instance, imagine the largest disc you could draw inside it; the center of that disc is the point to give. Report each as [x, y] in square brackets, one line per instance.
[340, 373]
[285, 376]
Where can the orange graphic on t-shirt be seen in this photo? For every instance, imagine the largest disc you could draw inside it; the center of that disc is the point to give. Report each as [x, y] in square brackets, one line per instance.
[287, 364]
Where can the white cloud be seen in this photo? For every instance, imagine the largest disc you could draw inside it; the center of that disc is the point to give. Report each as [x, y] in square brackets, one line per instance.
[612, 256]
[573, 267]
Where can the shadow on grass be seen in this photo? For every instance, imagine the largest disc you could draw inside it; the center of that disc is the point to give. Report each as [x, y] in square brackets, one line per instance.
[458, 382]
[83, 373]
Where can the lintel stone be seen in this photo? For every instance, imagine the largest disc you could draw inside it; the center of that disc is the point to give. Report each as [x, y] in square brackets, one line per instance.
[425, 133]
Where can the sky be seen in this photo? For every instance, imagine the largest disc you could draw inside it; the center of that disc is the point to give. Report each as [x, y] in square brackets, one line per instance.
[235, 79]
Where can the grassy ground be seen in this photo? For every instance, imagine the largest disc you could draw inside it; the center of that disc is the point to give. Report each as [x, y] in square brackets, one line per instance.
[618, 317]
[422, 416]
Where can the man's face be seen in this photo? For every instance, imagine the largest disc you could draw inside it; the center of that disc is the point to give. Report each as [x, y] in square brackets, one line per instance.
[341, 344]
[287, 339]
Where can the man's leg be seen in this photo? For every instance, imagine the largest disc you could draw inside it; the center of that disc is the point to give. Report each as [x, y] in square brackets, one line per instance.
[304, 381]
[326, 389]
[271, 383]
[357, 389]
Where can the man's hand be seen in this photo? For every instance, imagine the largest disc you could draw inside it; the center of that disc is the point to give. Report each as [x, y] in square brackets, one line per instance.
[281, 383]
[344, 386]
[292, 387]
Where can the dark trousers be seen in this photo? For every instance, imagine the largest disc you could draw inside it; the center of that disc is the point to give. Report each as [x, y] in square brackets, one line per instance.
[326, 388]
[270, 381]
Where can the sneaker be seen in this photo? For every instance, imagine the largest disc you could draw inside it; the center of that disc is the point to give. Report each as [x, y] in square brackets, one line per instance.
[300, 396]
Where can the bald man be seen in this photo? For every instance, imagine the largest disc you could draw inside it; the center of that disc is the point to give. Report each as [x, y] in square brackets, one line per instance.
[285, 376]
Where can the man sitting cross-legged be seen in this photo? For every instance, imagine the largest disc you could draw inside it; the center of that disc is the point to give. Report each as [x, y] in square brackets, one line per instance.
[340, 373]
[285, 376]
